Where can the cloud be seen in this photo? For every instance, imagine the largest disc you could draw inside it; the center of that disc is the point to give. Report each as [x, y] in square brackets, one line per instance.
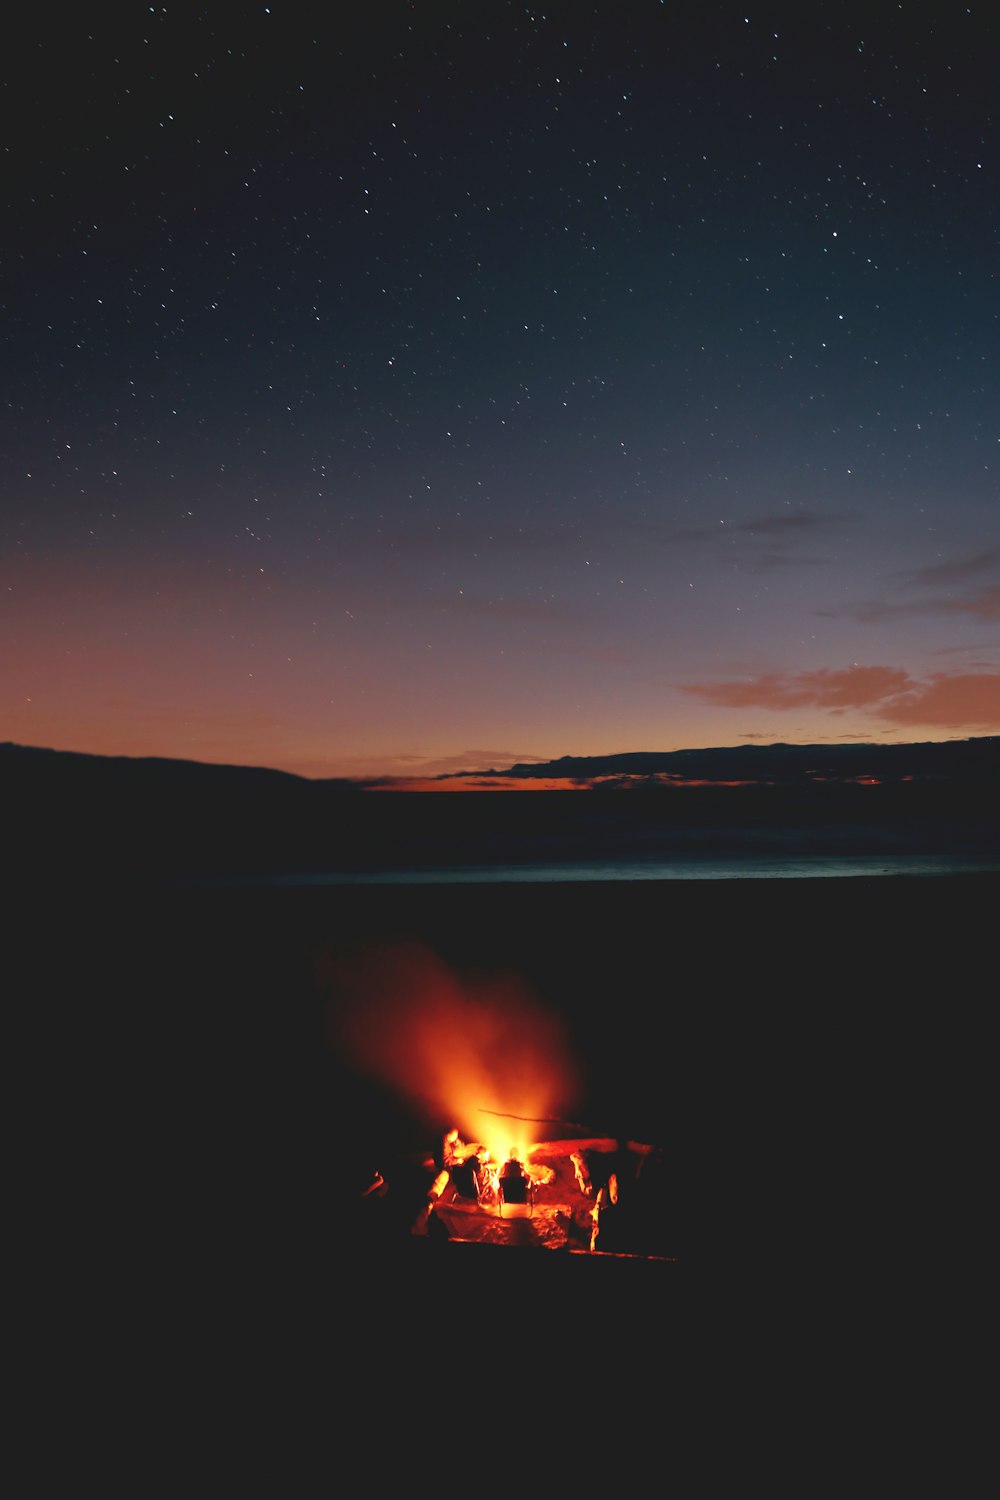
[939, 581]
[963, 701]
[852, 687]
[768, 543]
[968, 700]
[963, 568]
[790, 523]
[787, 525]
[984, 605]
[466, 760]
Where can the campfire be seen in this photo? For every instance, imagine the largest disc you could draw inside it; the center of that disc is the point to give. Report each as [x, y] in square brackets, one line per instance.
[477, 1173]
[564, 1188]
[512, 1168]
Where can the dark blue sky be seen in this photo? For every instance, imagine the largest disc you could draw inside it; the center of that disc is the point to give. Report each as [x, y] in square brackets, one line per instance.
[453, 384]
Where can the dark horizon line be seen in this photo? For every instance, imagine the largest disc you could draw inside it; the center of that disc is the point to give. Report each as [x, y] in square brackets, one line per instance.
[629, 763]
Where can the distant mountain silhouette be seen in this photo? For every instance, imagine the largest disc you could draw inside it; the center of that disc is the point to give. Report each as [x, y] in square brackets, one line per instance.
[774, 763]
[67, 813]
[780, 763]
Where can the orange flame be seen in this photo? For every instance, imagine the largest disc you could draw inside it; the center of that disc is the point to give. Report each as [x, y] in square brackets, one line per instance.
[476, 1053]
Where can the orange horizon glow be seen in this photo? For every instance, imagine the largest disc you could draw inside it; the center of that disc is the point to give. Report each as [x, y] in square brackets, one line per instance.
[476, 783]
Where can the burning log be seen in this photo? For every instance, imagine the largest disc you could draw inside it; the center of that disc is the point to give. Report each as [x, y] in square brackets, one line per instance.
[434, 1192]
[376, 1187]
[582, 1194]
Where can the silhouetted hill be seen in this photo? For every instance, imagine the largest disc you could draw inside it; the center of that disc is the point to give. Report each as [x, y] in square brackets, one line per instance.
[68, 813]
[781, 764]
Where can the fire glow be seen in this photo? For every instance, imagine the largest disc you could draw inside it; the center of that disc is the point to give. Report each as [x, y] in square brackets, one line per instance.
[478, 1055]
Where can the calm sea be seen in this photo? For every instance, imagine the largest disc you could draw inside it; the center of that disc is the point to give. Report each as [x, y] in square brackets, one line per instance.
[685, 868]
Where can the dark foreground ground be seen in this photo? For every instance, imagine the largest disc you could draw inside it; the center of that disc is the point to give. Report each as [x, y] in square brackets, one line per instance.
[813, 1060]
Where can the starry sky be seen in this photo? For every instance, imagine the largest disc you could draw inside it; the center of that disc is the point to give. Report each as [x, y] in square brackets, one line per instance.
[419, 387]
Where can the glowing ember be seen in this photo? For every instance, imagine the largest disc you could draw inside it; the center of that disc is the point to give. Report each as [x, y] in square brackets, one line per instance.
[565, 1188]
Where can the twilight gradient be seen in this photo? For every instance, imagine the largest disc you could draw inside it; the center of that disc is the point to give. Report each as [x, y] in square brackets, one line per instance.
[451, 385]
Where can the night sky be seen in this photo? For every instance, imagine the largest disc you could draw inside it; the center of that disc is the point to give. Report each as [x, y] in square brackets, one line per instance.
[406, 388]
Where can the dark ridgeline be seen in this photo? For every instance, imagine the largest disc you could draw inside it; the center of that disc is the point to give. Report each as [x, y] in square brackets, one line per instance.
[788, 765]
[155, 818]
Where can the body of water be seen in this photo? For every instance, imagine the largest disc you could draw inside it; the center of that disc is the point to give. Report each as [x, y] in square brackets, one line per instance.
[678, 868]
